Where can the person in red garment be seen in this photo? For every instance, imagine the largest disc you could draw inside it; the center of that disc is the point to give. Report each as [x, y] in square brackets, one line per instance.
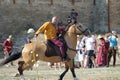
[102, 52]
[8, 45]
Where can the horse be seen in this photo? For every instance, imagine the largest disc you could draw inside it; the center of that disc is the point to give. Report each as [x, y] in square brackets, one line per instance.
[35, 51]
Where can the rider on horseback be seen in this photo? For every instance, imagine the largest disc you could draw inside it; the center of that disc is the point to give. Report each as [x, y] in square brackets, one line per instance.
[50, 33]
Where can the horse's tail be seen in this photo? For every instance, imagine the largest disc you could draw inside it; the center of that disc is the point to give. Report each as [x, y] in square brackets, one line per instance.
[11, 58]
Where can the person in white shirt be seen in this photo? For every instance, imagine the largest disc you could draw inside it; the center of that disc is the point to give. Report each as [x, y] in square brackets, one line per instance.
[79, 58]
[89, 50]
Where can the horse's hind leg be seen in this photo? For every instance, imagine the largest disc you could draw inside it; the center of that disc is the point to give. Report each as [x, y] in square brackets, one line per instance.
[20, 69]
[63, 74]
[23, 66]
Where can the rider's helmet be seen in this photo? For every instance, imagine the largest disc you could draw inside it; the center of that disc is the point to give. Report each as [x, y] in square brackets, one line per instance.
[30, 30]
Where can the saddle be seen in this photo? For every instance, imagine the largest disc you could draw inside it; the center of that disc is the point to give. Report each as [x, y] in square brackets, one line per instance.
[52, 49]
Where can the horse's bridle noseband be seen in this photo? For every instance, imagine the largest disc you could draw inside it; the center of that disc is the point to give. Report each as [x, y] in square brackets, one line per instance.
[83, 32]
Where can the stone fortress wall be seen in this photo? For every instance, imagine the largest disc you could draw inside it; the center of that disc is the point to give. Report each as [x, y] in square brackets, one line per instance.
[16, 14]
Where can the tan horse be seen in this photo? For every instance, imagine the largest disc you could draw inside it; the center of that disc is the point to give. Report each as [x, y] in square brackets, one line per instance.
[36, 51]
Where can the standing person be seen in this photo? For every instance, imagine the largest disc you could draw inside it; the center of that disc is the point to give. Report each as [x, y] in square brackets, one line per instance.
[69, 21]
[79, 58]
[74, 15]
[30, 35]
[102, 54]
[90, 63]
[60, 26]
[107, 44]
[50, 33]
[89, 50]
[113, 39]
[8, 46]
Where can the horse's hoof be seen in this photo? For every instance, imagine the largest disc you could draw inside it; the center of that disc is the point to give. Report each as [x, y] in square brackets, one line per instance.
[22, 77]
[76, 79]
[17, 75]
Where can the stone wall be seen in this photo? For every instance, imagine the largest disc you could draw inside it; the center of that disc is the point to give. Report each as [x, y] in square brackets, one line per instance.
[17, 15]
[14, 17]
[115, 15]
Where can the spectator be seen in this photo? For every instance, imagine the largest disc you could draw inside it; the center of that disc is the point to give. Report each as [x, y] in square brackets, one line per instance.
[101, 53]
[107, 44]
[90, 64]
[60, 26]
[74, 15]
[69, 20]
[113, 39]
[30, 35]
[89, 49]
[79, 58]
[8, 46]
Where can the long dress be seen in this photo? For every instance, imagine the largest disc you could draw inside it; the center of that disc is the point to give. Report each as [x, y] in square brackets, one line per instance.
[80, 54]
[102, 54]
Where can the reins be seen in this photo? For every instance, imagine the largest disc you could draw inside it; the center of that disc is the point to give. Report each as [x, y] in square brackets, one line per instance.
[72, 49]
[64, 32]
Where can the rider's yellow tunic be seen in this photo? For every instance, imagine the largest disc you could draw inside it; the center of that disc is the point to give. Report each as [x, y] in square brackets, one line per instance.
[49, 30]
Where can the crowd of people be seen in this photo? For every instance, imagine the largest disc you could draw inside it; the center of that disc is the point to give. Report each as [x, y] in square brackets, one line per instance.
[96, 51]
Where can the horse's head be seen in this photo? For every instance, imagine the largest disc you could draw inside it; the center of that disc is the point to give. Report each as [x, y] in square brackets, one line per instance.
[81, 29]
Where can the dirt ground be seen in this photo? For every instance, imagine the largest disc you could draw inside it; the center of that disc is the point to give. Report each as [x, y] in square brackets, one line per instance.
[44, 72]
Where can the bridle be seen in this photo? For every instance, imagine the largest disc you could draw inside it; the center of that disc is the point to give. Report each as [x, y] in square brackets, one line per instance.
[87, 30]
[79, 28]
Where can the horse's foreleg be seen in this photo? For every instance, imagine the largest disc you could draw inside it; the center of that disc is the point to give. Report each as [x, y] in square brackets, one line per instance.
[63, 74]
[73, 73]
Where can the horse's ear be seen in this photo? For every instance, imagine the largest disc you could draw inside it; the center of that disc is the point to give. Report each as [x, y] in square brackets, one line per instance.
[80, 24]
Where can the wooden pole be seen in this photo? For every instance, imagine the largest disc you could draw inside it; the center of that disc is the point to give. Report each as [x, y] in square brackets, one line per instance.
[94, 2]
[14, 2]
[51, 2]
[109, 16]
[73, 2]
[29, 1]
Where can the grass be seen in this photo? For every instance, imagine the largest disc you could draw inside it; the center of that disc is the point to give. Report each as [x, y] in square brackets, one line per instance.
[47, 73]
